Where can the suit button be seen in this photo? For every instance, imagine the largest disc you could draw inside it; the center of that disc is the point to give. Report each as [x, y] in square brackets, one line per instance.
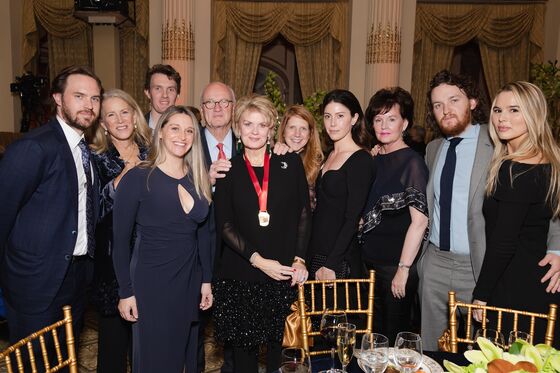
[67, 257]
[73, 232]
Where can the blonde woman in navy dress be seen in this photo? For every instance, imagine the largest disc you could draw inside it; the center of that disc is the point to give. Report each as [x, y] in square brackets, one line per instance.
[167, 278]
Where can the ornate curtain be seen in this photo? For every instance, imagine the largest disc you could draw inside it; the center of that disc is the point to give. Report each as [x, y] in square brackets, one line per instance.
[510, 38]
[69, 38]
[135, 53]
[319, 33]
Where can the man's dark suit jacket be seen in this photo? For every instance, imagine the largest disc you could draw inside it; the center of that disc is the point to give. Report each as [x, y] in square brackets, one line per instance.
[207, 152]
[38, 217]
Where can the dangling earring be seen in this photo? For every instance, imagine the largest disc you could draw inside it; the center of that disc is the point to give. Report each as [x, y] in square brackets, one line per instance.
[135, 126]
[268, 146]
[239, 146]
[106, 132]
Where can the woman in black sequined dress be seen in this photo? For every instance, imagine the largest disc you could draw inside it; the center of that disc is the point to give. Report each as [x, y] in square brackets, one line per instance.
[396, 214]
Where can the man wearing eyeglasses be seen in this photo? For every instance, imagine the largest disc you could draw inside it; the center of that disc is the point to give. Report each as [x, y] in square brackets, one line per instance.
[162, 86]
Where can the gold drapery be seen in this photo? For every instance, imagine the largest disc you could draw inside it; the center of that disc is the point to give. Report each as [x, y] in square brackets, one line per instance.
[319, 33]
[135, 53]
[510, 38]
[69, 38]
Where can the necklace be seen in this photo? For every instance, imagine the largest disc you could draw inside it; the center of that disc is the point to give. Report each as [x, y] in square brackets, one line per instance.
[132, 156]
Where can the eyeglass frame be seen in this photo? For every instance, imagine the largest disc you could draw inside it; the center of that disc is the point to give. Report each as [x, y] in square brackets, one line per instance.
[224, 103]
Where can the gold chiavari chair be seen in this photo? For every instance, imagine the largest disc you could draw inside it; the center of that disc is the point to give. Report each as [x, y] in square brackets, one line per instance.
[450, 340]
[15, 350]
[329, 294]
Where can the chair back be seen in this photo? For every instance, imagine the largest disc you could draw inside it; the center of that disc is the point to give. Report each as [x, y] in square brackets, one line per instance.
[330, 294]
[15, 350]
[454, 305]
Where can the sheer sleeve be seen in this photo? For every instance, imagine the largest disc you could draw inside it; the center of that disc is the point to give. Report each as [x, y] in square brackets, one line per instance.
[359, 177]
[225, 228]
[415, 180]
[127, 201]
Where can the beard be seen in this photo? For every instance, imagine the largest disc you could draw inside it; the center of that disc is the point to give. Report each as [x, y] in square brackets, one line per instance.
[74, 121]
[458, 127]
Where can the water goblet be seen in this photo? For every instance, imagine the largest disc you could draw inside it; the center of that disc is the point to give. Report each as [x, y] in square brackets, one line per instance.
[408, 351]
[295, 360]
[374, 355]
[494, 336]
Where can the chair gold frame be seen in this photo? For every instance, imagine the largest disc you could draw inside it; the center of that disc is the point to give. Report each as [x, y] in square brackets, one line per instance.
[330, 287]
[451, 345]
[71, 362]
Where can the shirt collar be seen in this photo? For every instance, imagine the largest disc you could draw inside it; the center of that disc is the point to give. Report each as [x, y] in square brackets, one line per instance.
[212, 140]
[71, 135]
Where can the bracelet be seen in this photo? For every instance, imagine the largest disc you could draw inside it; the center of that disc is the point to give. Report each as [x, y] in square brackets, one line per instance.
[402, 265]
[252, 259]
[299, 260]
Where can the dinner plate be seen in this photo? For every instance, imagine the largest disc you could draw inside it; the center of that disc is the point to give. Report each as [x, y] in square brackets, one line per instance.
[428, 365]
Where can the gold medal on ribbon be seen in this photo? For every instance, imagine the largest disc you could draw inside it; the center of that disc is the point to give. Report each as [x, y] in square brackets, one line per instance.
[264, 218]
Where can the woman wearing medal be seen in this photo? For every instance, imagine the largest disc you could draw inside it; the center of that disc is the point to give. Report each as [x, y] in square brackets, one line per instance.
[263, 221]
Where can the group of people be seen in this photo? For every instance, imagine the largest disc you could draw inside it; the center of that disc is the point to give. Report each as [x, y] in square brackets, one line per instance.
[179, 222]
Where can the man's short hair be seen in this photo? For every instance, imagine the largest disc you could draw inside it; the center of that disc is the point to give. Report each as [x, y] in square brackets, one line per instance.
[166, 70]
[59, 82]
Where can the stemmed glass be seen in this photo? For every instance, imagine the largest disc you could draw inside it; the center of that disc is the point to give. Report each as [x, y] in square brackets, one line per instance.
[494, 336]
[374, 355]
[517, 334]
[295, 360]
[345, 343]
[408, 351]
[329, 325]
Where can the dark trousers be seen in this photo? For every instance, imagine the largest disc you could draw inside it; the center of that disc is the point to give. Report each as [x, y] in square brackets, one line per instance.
[392, 315]
[246, 360]
[22, 323]
[114, 344]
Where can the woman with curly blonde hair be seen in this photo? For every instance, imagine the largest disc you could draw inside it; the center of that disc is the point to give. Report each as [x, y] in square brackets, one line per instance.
[299, 131]
[521, 198]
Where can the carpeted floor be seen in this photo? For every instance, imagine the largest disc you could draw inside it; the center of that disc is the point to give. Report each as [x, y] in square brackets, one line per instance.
[87, 354]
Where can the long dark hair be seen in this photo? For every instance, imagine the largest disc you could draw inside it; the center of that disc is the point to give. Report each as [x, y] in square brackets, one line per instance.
[360, 135]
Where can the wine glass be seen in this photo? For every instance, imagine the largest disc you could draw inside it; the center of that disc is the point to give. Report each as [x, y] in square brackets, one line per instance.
[514, 335]
[329, 324]
[345, 343]
[408, 351]
[295, 360]
[494, 336]
[374, 355]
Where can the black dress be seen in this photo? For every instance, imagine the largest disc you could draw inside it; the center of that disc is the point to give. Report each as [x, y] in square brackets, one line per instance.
[170, 261]
[250, 307]
[400, 183]
[341, 196]
[517, 220]
[113, 332]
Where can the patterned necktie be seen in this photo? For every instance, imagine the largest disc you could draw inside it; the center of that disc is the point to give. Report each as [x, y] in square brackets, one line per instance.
[89, 198]
[221, 153]
[446, 194]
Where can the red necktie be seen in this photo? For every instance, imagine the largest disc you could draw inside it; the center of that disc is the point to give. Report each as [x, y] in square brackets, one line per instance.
[221, 153]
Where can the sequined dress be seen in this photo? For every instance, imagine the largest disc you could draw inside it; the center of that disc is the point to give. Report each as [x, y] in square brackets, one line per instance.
[249, 306]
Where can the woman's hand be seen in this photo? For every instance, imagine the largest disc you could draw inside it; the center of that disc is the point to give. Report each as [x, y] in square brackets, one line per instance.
[375, 150]
[206, 298]
[128, 310]
[477, 314]
[398, 285]
[325, 273]
[300, 274]
[273, 268]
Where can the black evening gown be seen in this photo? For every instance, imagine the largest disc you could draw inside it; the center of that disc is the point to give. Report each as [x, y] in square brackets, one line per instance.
[250, 307]
[400, 182]
[517, 220]
[341, 196]
[170, 261]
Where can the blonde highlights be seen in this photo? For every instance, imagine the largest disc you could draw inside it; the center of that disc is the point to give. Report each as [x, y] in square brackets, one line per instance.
[311, 154]
[539, 141]
[258, 103]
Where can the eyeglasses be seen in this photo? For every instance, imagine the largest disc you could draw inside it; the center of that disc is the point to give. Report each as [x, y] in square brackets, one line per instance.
[211, 104]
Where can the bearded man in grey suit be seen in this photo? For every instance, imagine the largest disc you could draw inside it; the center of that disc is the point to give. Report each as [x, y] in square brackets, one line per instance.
[458, 162]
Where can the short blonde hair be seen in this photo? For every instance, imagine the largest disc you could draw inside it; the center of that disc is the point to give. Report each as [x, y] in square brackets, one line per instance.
[258, 103]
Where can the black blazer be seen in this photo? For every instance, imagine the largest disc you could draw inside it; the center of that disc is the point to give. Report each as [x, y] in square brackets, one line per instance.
[38, 216]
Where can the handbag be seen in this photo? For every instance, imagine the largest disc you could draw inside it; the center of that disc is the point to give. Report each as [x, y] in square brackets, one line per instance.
[292, 328]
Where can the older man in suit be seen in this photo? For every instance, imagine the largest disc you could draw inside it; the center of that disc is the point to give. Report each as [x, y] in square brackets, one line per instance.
[48, 194]
[453, 254]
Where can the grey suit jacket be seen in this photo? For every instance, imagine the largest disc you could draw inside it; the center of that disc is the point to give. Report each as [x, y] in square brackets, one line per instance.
[476, 228]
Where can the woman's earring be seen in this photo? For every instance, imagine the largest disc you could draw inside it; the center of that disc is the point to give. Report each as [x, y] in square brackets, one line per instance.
[239, 146]
[268, 145]
[135, 126]
[106, 132]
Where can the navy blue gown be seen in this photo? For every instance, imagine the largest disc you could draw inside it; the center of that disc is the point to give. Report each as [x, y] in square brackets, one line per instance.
[170, 261]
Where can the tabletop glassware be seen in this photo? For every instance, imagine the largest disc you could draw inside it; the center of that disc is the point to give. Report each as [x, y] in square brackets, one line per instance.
[328, 328]
[345, 343]
[374, 354]
[295, 360]
[518, 334]
[408, 351]
[494, 336]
